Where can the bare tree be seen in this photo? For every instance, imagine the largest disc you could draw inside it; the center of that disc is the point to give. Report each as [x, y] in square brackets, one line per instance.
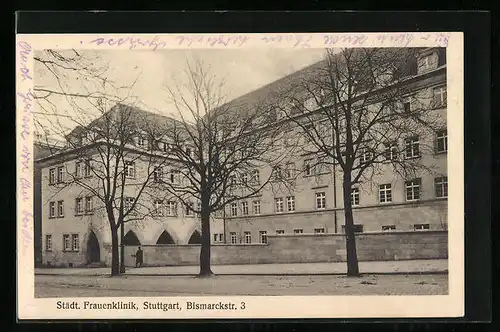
[357, 112]
[110, 154]
[221, 148]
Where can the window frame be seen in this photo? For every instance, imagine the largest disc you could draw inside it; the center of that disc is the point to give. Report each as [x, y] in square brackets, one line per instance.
[413, 184]
[320, 197]
[278, 202]
[48, 242]
[263, 237]
[385, 188]
[290, 202]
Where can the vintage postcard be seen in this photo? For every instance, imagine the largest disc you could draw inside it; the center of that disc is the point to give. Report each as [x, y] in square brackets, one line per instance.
[240, 175]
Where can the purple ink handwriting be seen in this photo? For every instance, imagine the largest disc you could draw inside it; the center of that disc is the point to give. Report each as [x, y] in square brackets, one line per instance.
[26, 100]
[25, 51]
[26, 230]
[296, 41]
[25, 188]
[156, 42]
[25, 159]
[220, 40]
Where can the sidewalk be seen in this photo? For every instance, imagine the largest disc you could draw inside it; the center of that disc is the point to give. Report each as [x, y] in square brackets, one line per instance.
[378, 267]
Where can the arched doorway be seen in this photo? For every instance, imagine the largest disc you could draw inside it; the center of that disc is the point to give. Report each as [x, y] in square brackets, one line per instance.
[131, 239]
[195, 238]
[165, 238]
[93, 250]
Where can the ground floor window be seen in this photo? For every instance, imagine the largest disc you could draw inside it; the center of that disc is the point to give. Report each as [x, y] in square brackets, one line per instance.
[298, 231]
[263, 236]
[280, 232]
[234, 238]
[71, 242]
[319, 231]
[421, 227]
[48, 242]
[387, 228]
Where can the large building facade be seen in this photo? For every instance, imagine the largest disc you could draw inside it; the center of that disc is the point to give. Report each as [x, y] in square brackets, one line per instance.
[76, 232]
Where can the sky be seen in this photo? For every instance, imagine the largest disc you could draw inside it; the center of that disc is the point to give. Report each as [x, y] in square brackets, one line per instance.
[243, 70]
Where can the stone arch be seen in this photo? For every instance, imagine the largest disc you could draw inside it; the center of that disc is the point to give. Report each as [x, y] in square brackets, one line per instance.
[171, 231]
[195, 238]
[131, 239]
[93, 248]
[165, 238]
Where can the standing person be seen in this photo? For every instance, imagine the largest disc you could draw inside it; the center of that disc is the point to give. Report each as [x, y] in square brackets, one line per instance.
[138, 257]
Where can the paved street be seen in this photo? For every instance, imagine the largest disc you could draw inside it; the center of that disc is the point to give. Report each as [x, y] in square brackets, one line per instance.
[139, 286]
[385, 267]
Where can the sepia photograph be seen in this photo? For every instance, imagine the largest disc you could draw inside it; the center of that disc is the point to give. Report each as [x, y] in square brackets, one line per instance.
[230, 172]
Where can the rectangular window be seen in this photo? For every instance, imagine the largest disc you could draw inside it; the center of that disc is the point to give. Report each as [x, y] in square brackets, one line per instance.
[158, 208]
[89, 206]
[52, 209]
[289, 170]
[290, 203]
[60, 209]
[234, 209]
[129, 201]
[244, 178]
[66, 242]
[87, 171]
[407, 104]
[189, 209]
[412, 190]
[256, 207]
[388, 228]
[385, 193]
[141, 141]
[308, 167]
[412, 147]
[75, 242]
[248, 237]
[216, 237]
[171, 208]
[358, 228]
[130, 169]
[278, 173]
[157, 174]
[441, 141]
[48, 242]
[174, 176]
[278, 202]
[319, 231]
[441, 186]
[79, 205]
[280, 232]
[244, 208]
[52, 176]
[354, 196]
[256, 176]
[320, 200]
[439, 96]
[421, 227]
[60, 174]
[79, 169]
[365, 156]
[234, 238]
[390, 151]
[321, 167]
[298, 231]
[263, 236]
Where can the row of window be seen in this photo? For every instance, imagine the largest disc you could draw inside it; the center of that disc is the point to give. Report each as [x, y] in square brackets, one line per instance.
[412, 193]
[235, 238]
[83, 205]
[71, 242]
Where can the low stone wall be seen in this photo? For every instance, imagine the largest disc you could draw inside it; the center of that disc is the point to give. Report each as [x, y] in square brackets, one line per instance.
[303, 249]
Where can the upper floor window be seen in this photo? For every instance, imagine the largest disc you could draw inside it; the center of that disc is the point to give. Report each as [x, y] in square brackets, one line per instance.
[157, 174]
[234, 238]
[365, 156]
[244, 208]
[48, 242]
[289, 170]
[60, 174]
[412, 147]
[244, 178]
[142, 141]
[52, 209]
[355, 196]
[278, 204]
[129, 202]
[290, 203]
[308, 170]
[189, 209]
[441, 141]
[171, 208]
[390, 150]
[441, 186]
[52, 176]
[248, 237]
[320, 200]
[60, 209]
[385, 193]
[439, 96]
[263, 236]
[256, 176]
[412, 190]
[256, 207]
[130, 169]
[234, 209]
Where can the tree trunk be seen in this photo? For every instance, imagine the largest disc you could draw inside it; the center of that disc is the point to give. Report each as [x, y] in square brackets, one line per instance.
[352, 256]
[205, 270]
[122, 248]
[115, 262]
